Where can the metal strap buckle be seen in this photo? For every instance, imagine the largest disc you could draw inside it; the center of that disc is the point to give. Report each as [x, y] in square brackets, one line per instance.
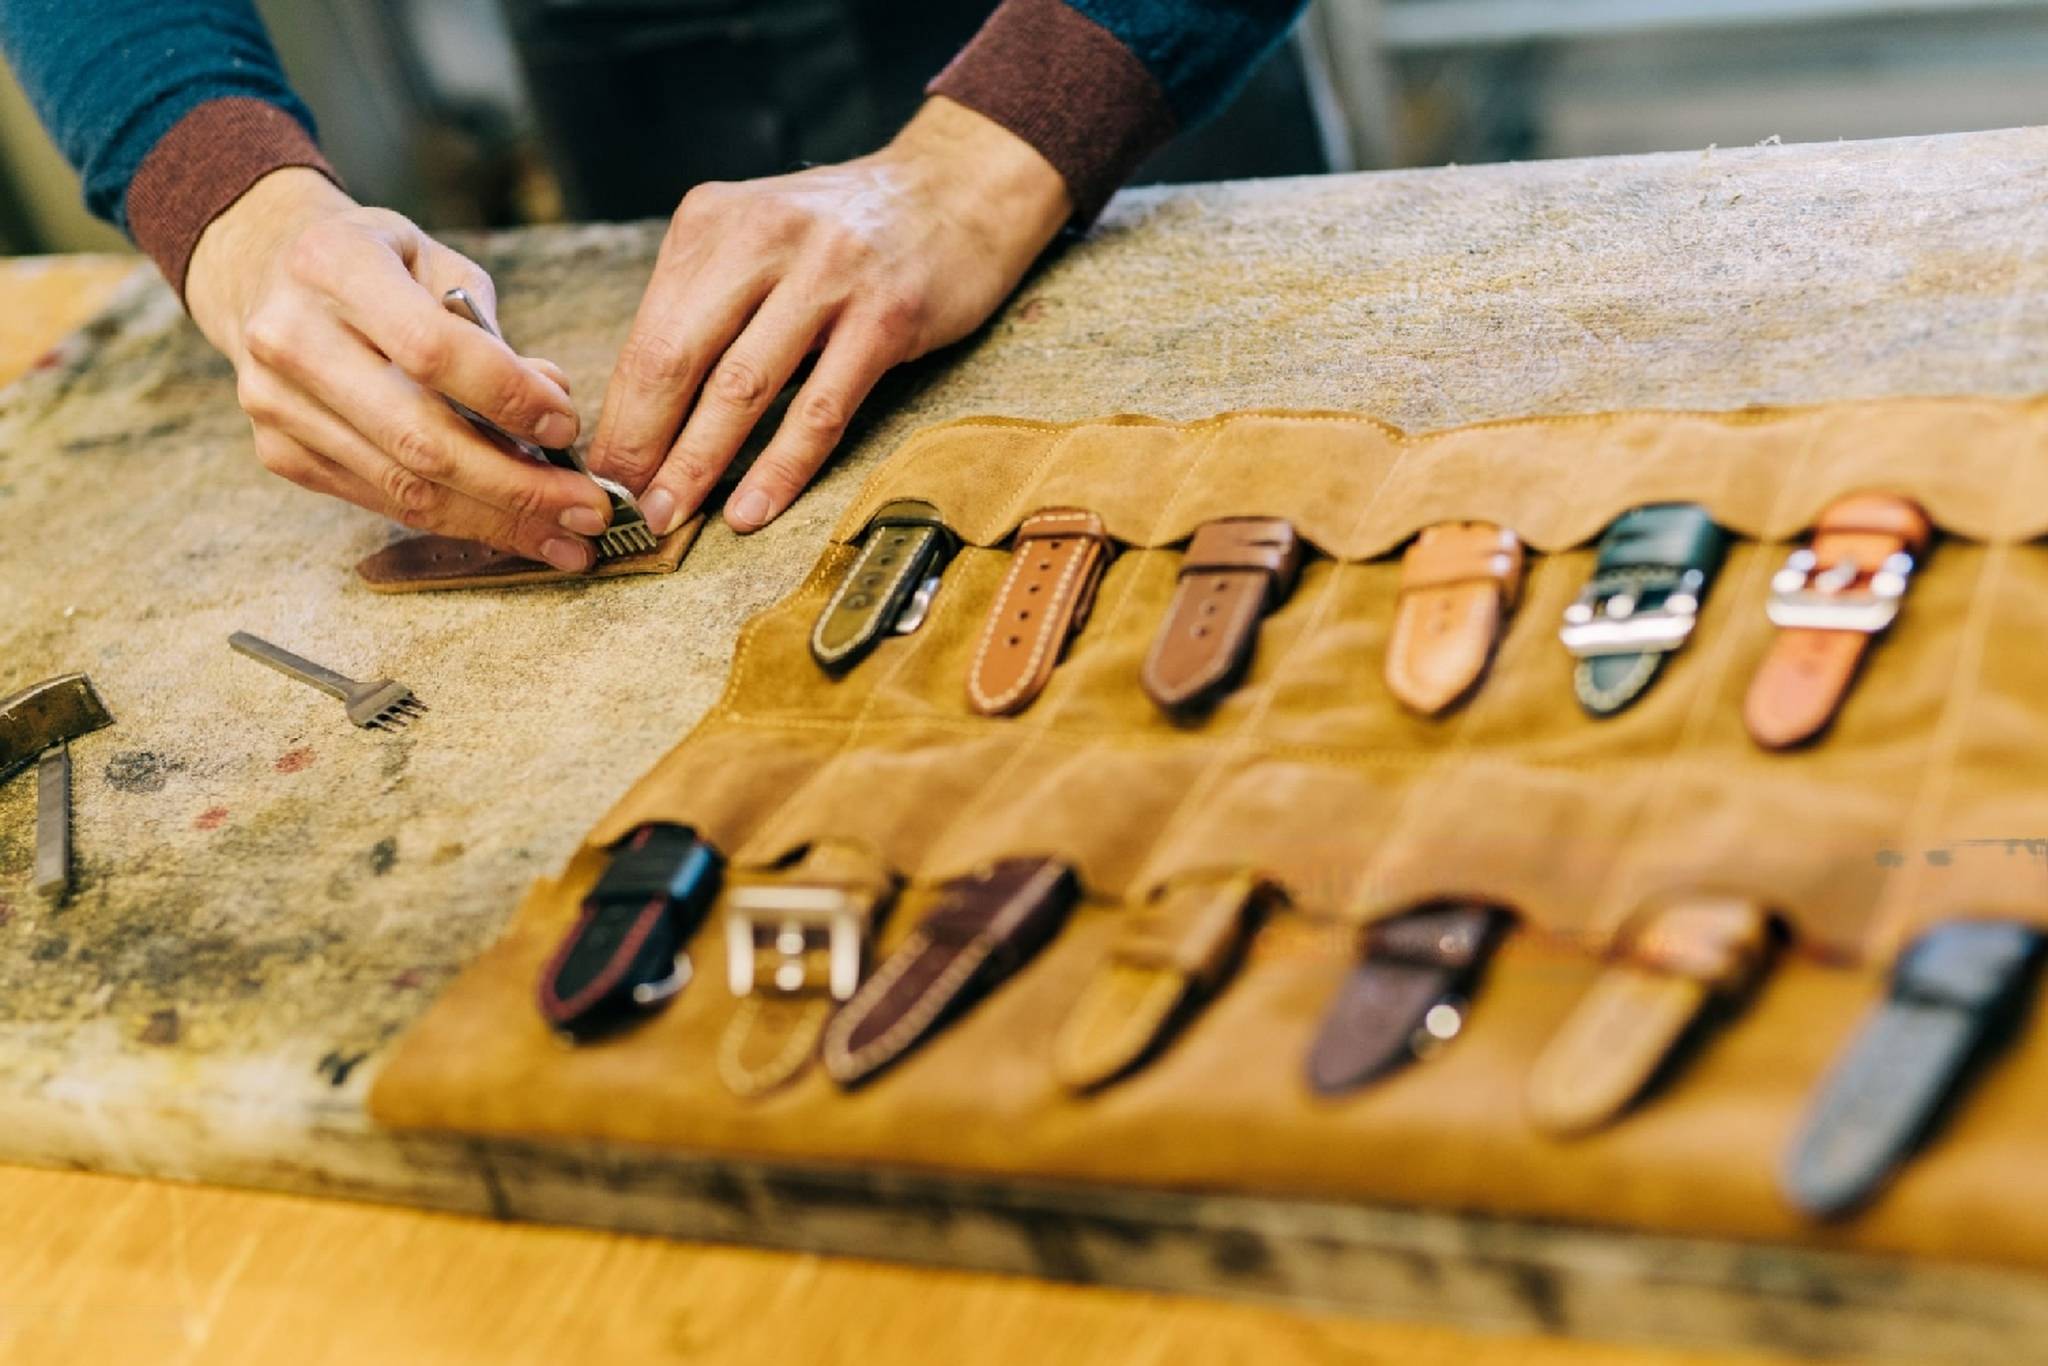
[1613, 620]
[1803, 595]
[794, 921]
[917, 608]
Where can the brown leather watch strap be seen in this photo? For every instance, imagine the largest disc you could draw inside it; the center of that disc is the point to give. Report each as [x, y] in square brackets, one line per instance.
[1831, 598]
[425, 564]
[1170, 955]
[796, 944]
[1674, 968]
[1458, 582]
[1407, 996]
[985, 927]
[1057, 563]
[1235, 571]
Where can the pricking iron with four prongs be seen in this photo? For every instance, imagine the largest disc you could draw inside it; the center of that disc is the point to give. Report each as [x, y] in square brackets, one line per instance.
[379, 704]
[628, 533]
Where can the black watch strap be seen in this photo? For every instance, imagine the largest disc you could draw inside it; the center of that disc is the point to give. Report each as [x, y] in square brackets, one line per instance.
[886, 588]
[624, 957]
[1953, 994]
[1653, 570]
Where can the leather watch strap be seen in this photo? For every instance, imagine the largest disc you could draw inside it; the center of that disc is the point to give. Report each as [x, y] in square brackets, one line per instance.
[624, 956]
[796, 944]
[1235, 571]
[425, 564]
[903, 550]
[1054, 569]
[1407, 995]
[1955, 993]
[985, 927]
[1673, 968]
[1458, 582]
[1653, 569]
[1169, 956]
[1829, 600]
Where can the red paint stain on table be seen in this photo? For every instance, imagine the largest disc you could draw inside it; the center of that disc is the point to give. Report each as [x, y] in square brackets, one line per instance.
[212, 818]
[295, 760]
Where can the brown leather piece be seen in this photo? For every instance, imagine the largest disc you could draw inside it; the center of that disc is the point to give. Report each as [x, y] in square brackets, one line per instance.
[1170, 954]
[1412, 963]
[1678, 963]
[985, 927]
[425, 564]
[1235, 571]
[1058, 561]
[776, 1026]
[1805, 677]
[1458, 582]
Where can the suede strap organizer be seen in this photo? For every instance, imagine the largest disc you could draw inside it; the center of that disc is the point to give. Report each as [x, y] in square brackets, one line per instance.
[1921, 806]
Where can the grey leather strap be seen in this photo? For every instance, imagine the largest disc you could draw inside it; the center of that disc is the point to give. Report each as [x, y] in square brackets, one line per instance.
[1954, 992]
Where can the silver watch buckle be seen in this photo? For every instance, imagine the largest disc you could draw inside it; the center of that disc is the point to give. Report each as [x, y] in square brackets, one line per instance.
[1806, 596]
[794, 921]
[1616, 622]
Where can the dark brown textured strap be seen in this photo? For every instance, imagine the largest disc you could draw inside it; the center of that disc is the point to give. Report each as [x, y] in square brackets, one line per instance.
[1054, 570]
[423, 564]
[1458, 581]
[985, 927]
[1236, 570]
[1831, 599]
[1407, 995]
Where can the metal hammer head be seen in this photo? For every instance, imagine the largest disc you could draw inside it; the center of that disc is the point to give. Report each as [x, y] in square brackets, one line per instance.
[46, 714]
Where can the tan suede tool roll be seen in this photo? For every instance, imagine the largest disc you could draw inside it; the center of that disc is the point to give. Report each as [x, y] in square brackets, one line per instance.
[1917, 805]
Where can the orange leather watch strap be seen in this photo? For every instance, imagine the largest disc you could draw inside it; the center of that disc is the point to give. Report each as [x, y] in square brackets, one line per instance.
[1054, 570]
[1678, 962]
[1235, 570]
[1848, 569]
[1458, 580]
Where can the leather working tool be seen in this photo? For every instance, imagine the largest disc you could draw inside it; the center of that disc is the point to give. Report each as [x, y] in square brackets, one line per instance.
[430, 563]
[379, 704]
[1408, 995]
[1652, 571]
[1169, 956]
[889, 586]
[1054, 569]
[986, 926]
[625, 956]
[628, 533]
[38, 725]
[1458, 582]
[1831, 598]
[1675, 965]
[1955, 994]
[796, 946]
[1236, 570]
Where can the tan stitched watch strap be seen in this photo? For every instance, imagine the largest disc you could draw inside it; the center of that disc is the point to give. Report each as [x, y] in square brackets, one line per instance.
[1236, 570]
[1169, 955]
[785, 934]
[1057, 563]
[1805, 677]
[1458, 581]
[1678, 961]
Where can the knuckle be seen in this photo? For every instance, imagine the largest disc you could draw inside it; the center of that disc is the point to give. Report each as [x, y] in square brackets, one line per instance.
[704, 197]
[413, 500]
[687, 470]
[787, 474]
[900, 314]
[257, 396]
[527, 501]
[823, 414]
[419, 452]
[655, 363]
[268, 336]
[308, 258]
[420, 350]
[513, 401]
[739, 382]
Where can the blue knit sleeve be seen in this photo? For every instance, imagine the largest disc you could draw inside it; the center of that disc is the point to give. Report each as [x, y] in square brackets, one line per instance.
[1200, 51]
[110, 77]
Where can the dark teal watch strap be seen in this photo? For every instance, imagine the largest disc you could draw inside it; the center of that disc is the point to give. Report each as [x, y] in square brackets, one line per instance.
[1653, 570]
[1953, 995]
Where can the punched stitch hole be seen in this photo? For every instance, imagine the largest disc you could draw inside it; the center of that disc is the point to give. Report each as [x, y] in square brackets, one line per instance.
[1015, 641]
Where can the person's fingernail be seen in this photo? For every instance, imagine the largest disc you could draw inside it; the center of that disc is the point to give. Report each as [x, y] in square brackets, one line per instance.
[660, 511]
[584, 521]
[571, 557]
[556, 429]
[750, 509]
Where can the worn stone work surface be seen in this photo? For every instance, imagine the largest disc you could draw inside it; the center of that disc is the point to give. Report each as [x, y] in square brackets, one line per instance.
[267, 896]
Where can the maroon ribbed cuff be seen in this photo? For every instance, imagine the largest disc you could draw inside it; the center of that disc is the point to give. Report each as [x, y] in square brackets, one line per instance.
[205, 163]
[1064, 84]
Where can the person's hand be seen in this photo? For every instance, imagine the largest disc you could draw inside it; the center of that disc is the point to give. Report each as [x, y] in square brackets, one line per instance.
[867, 264]
[332, 315]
